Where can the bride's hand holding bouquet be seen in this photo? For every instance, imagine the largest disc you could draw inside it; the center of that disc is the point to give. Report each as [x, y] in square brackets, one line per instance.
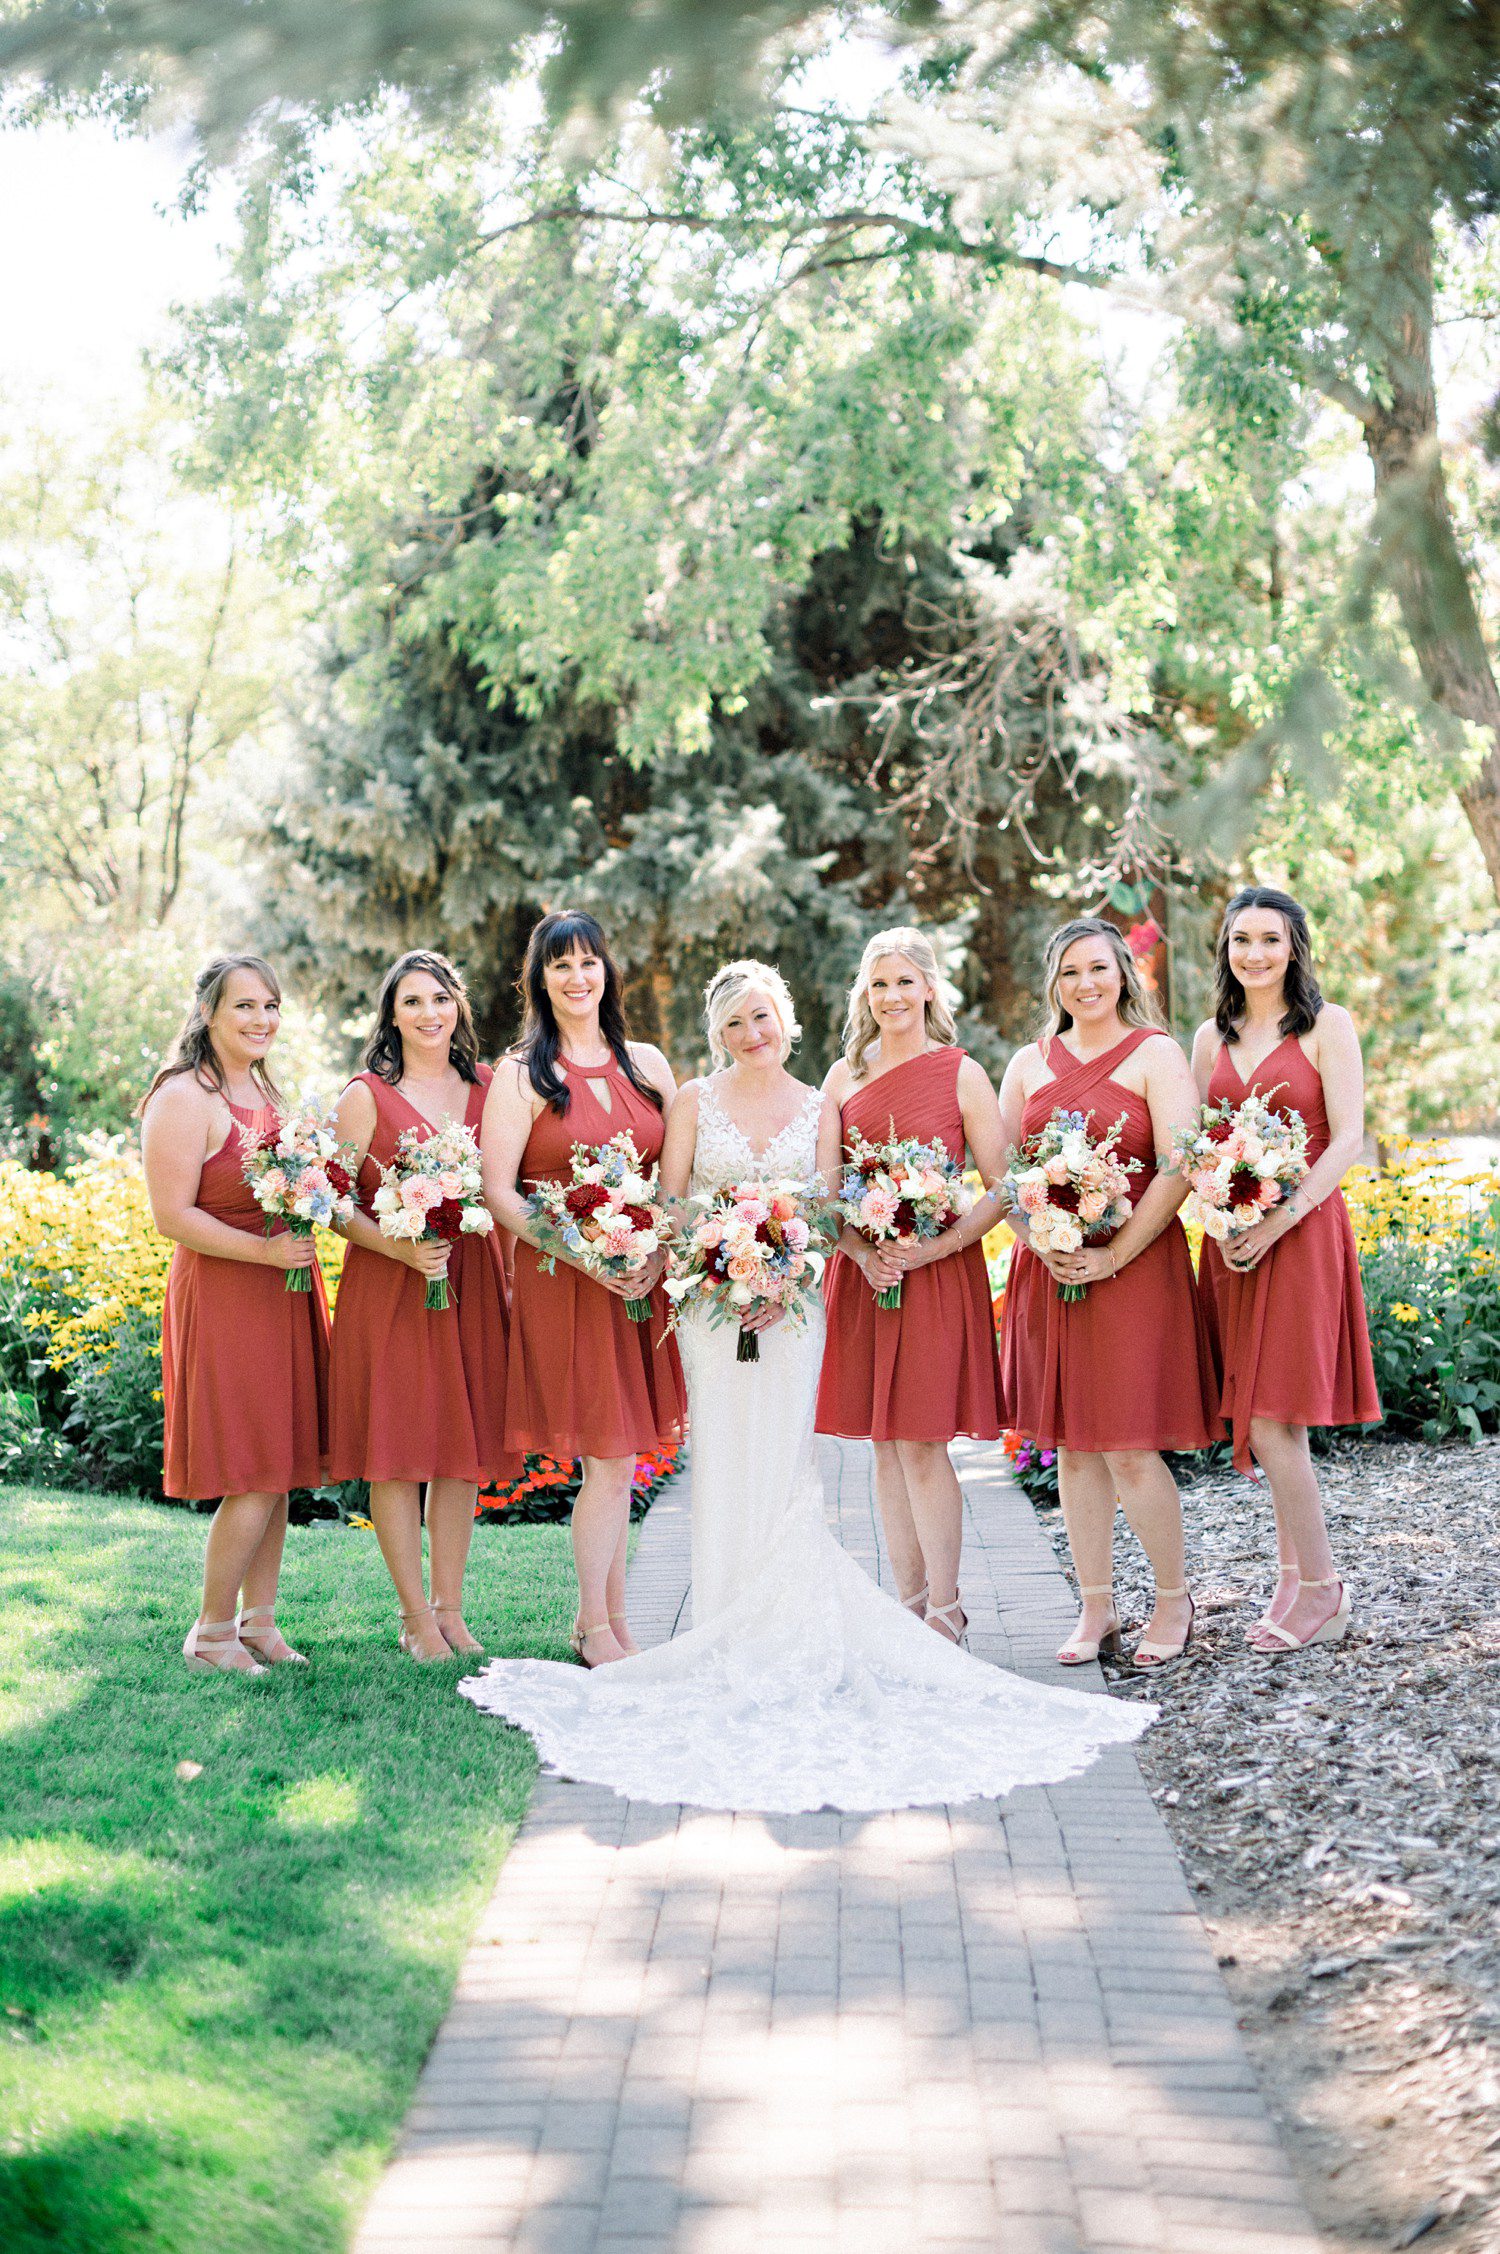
[748, 1255]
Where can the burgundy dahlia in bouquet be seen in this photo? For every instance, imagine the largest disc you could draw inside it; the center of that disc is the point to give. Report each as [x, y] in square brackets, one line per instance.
[1241, 1160]
[1070, 1185]
[430, 1194]
[299, 1172]
[607, 1217]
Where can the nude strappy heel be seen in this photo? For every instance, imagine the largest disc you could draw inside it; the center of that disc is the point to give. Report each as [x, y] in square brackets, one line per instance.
[944, 1612]
[618, 1620]
[1159, 1655]
[580, 1637]
[404, 1642]
[916, 1602]
[205, 1638]
[1086, 1650]
[1333, 1630]
[258, 1638]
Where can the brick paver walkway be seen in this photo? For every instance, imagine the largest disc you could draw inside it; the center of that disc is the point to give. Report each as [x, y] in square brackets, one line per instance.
[994, 2027]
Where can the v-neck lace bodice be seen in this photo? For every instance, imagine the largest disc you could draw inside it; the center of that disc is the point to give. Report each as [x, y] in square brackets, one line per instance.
[724, 1153]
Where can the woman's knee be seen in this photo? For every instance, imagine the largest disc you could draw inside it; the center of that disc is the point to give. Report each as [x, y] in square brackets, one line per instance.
[1134, 1467]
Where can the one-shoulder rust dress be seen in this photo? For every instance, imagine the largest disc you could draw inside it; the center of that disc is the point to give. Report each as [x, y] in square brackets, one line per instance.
[244, 1361]
[925, 1370]
[419, 1392]
[1291, 1334]
[586, 1380]
[1131, 1364]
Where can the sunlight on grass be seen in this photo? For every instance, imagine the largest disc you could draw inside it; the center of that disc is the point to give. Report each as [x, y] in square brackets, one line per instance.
[230, 1914]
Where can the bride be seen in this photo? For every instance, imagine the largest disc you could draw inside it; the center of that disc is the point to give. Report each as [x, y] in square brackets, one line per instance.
[801, 1684]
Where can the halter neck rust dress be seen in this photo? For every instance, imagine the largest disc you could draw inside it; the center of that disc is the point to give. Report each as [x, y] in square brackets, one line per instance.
[419, 1392]
[925, 1370]
[244, 1361]
[1131, 1364]
[584, 1379]
[1291, 1335]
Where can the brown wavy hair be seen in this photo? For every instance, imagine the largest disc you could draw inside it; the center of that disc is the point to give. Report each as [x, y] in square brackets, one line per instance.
[1304, 996]
[384, 1055]
[193, 1049]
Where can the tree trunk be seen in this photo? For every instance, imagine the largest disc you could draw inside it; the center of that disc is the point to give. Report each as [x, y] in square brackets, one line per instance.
[1420, 553]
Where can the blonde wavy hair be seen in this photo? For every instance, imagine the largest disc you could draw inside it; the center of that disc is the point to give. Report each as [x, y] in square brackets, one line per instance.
[728, 987]
[860, 1030]
[1136, 1005]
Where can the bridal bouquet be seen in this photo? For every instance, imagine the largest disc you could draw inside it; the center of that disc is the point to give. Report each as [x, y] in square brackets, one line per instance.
[607, 1216]
[1070, 1187]
[900, 1192]
[429, 1194]
[747, 1248]
[1240, 1160]
[299, 1172]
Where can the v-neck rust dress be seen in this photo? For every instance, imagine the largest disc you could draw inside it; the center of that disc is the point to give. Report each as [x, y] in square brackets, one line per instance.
[244, 1361]
[1131, 1364]
[584, 1379]
[1291, 1334]
[419, 1392]
[925, 1370]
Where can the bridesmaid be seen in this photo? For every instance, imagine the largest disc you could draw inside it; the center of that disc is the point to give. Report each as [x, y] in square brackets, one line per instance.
[243, 1360]
[419, 1393]
[1111, 1379]
[1285, 1300]
[585, 1380]
[911, 1378]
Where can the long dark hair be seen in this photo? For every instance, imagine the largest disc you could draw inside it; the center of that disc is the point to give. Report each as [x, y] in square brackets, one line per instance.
[1304, 997]
[384, 1055]
[540, 1042]
[193, 1050]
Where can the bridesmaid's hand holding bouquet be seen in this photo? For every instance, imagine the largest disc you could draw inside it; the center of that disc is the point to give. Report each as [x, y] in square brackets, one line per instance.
[1241, 1162]
[748, 1255]
[1068, 1187]
[429, 1194]
[607, 1218]
[900, 1192]
[299, 1172]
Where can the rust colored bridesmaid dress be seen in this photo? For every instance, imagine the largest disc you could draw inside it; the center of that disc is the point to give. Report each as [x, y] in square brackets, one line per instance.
[418, 1392]
[925, 1370]
[584, 1379]
[1291, 1335]
[244, 1361]
[1131, 1364]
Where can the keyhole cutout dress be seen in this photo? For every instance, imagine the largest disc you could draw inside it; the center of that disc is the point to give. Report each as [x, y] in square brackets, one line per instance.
[584, 1379]
[1131, 1364]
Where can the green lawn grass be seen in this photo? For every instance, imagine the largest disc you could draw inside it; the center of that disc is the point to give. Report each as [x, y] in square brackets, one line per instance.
[217, 1993]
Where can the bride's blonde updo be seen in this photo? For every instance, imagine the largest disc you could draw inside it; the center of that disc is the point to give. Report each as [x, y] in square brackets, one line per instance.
[860, 1030]
[726, 990]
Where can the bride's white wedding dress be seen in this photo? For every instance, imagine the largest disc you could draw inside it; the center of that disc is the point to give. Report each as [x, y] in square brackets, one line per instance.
[801, 1685]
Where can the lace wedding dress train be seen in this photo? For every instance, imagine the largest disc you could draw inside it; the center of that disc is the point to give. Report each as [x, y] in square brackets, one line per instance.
[801, 1685]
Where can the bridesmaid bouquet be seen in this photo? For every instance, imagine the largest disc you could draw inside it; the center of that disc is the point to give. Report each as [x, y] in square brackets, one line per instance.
[1240, 1160]
[299, 1172]
[900, 1192]
[429, 1194]
[607, 1217]
[746, 1248]
[1070, 1187]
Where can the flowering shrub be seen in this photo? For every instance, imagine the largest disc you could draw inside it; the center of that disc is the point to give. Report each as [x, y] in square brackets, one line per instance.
[1429, 1244]
[83, 1272]
[1033, 1468]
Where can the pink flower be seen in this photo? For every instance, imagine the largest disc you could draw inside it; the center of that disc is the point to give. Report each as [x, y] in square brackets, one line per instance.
[877, 1208]
[1093, 1205]
[450, 1183]
[420, 1193]
[743, 1268]
[1056, 1169]
[272, 1185]
[1031, 1194]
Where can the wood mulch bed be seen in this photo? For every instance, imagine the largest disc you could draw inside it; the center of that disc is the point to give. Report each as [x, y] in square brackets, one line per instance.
[1338, 1816]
